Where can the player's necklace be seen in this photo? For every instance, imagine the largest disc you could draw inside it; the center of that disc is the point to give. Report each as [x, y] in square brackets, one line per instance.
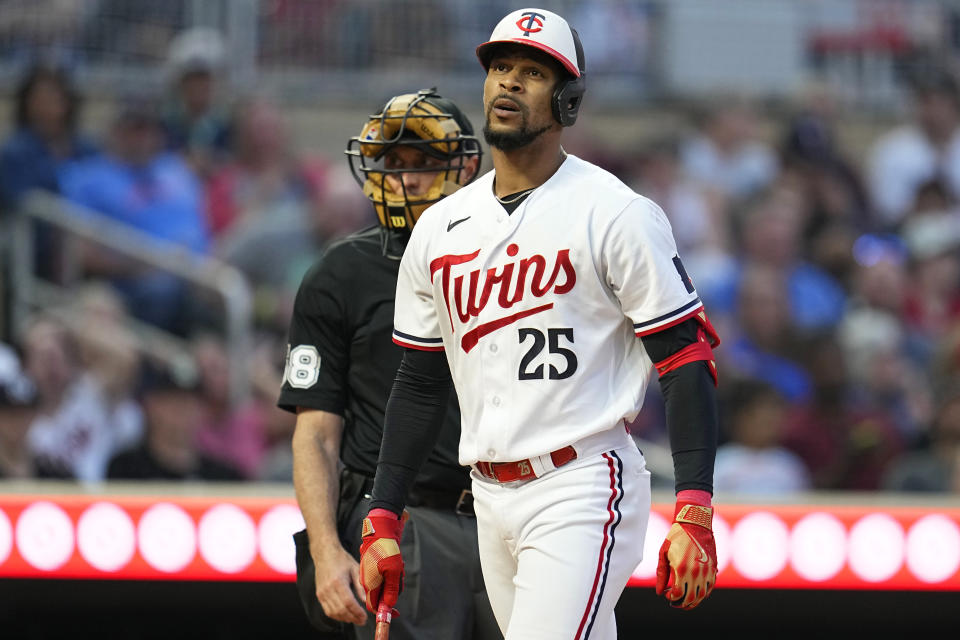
[514, 198]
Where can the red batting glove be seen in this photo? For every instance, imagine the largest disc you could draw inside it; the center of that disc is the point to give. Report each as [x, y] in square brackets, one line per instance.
[688, 556]
[381, 567]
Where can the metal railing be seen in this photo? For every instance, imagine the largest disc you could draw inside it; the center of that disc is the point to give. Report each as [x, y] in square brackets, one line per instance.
[30, 291]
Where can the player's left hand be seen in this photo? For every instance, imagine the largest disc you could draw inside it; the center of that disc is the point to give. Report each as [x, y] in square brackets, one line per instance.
[381, 566]
[687, 569]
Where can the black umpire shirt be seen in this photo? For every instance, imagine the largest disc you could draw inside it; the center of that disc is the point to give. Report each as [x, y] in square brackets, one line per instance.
[344, 310]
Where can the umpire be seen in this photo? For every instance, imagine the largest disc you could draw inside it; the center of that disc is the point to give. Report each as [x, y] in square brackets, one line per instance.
[341, 364]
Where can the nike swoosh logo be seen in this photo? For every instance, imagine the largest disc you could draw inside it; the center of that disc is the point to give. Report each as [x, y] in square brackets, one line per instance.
[703, 554]
[453, 223]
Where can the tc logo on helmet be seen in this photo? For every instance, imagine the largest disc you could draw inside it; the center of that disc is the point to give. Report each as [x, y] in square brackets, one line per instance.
[532, 20]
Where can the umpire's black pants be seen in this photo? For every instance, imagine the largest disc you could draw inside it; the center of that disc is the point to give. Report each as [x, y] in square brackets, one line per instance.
[443, 596]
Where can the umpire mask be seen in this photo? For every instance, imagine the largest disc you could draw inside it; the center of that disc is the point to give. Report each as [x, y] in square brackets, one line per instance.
[423, 121]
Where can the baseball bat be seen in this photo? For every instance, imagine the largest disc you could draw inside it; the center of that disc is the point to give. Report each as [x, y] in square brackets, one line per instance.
[384, 615]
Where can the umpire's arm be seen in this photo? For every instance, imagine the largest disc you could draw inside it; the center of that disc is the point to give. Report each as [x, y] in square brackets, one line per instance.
[316, 450]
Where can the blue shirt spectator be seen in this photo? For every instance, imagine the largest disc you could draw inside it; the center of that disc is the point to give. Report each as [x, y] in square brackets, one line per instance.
[153, 191]
[752, 362]
[815, 299]
[761, 345]
[161, 198]
[44, 135]
[770, 230]
[27, 162]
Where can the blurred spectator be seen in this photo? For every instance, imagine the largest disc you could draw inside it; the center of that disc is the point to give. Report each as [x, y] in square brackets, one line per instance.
[18, 408]
[880, 285]
[262, 174]
[881, 373]
[933, 299]
[45, 135]
[837, 205]
[752, 460]
[944, 368]
[888, 362]
[261, 204]
[880, 280]
[229, 432]
[76, 430]
[761, 343]
[845, 445]
[109, 350]
[728, 153]
[698, 215]
[770, 233]
[935, 468]
[195, 119]
[174, 411]
[267, 368]
[154, 192]
[927, 148]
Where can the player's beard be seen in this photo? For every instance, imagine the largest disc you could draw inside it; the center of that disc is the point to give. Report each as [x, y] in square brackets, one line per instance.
[511, 140]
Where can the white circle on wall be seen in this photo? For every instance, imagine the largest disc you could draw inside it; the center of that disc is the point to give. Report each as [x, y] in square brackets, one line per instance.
[6, 537]
[818, 546]
[275, 535]
[722, 537]
[933, 548]
[876, 547]
[44, 536]
[167, 537]
[106, 536]
[760, 546]
[657, 528]
[228, 538]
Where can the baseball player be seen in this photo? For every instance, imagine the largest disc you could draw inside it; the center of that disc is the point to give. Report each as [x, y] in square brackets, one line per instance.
[544, 292]
[340, 367]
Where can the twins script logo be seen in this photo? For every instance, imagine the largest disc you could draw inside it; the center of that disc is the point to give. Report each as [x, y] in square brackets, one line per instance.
[530, 22]
[507, 284]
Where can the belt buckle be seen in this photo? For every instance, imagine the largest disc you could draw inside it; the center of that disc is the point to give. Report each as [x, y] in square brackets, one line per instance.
[465, 502]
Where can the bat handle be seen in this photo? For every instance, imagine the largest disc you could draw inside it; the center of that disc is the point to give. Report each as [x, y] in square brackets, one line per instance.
[384, 615]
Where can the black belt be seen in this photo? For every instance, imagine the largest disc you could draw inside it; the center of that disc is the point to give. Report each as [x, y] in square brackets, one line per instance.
[460, 502]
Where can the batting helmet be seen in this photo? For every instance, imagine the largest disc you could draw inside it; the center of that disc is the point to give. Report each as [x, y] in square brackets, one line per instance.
[425, 121]
[550, 33]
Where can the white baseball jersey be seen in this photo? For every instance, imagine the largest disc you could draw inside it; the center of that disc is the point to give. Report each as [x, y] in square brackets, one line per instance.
[539, 310]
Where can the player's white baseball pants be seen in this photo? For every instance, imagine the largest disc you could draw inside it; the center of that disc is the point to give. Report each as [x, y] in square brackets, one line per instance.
[557, 551]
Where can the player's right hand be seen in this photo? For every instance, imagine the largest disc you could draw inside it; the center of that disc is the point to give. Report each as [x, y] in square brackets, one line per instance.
[381, 566]
[337, 579]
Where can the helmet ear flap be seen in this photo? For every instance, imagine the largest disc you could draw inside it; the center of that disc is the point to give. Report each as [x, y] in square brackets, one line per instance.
[569, 93]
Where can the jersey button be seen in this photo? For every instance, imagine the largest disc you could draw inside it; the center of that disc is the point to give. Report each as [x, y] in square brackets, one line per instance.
[493, 348]
[491, 453]
[496, 401]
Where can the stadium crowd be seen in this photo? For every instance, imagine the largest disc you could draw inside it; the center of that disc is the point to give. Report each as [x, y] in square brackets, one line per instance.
[832, 278]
